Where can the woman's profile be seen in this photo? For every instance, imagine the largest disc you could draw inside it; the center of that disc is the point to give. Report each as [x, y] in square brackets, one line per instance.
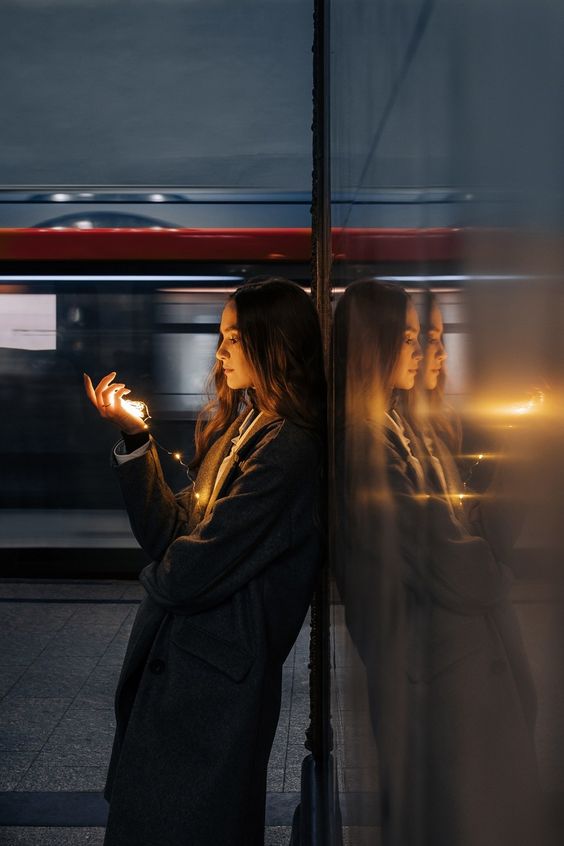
[462, 768]
[234, 561]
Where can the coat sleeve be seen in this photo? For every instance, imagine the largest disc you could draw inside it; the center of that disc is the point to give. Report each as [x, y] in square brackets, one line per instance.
[247, 530]
[156, 514]
[441, 560]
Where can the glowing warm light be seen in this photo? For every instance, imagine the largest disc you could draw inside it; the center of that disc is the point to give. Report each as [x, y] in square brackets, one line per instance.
[521, 409]
[136, 407]
[178, 456]
[533, 404]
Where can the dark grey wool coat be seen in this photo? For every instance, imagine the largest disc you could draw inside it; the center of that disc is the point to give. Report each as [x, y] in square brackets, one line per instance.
[471, 776]
[198, 699]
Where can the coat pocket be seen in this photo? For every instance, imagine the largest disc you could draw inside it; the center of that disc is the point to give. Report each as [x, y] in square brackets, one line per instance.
[426, 661]
[222, 654]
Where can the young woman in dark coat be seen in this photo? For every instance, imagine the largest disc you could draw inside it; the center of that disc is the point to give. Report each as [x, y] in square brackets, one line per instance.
[234, 561]
[462, 767]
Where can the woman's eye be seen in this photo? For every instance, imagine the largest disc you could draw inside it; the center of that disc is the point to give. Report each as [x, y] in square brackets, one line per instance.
[233, 340]
[410, 341]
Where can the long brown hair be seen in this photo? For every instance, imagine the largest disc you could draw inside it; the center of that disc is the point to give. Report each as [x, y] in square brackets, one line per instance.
[368, 333]
[280, 335]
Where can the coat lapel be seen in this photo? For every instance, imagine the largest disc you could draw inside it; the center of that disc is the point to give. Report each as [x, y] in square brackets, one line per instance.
[207, 473]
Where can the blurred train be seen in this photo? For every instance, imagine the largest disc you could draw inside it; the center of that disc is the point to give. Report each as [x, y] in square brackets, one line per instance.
[110, 286]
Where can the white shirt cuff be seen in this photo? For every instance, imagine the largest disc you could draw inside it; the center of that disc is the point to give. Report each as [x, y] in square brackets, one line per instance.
[123, 457]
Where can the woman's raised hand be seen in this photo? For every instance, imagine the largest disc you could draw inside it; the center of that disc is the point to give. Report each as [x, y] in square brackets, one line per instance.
[107, 397]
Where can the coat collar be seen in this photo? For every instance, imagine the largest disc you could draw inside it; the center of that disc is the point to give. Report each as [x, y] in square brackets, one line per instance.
[207, 474]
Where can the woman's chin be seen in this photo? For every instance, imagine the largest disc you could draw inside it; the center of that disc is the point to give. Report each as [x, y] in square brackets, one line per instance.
[234, 384]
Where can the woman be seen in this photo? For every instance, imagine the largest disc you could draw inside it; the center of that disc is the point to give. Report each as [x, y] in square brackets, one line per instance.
[233, 567]
[461, 714]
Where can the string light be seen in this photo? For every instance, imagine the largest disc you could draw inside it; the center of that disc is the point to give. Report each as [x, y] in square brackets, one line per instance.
[141, 410]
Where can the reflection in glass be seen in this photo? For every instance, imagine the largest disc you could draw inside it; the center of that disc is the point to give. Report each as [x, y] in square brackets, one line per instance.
[447, 174]
[422, 571]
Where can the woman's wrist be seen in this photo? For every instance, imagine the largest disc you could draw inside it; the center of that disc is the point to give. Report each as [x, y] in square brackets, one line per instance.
[133, 432]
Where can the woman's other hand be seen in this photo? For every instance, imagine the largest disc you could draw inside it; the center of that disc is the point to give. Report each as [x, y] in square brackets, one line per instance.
[108, 397]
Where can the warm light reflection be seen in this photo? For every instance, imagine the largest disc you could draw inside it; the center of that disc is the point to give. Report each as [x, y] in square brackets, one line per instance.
[493, 410]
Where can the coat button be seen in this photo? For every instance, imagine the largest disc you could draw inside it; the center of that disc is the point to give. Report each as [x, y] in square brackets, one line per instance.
[157, 666]
[498, 666]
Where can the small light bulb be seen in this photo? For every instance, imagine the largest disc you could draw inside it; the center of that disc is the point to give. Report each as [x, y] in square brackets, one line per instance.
[177, 455]
[136, 407]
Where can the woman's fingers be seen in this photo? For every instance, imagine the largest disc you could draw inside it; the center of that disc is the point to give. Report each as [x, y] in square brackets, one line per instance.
[103, 396]
[89, 388]
[121, 392]
[102, 385]
[108, 396]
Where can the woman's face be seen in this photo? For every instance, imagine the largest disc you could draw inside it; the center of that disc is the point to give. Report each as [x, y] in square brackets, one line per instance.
[435, 353]
[410, 354]
[238, 371]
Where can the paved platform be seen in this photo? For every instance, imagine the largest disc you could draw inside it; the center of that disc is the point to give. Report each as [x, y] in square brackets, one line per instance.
[61, 649]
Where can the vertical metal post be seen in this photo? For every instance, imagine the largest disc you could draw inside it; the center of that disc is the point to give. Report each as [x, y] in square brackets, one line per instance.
[321, 175]
[312, 824]
[321, 289]
[321, 269]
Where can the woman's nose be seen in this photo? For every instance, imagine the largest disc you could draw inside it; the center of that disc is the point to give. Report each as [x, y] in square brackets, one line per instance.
[221, 352]
[441, 352]
[418, 352]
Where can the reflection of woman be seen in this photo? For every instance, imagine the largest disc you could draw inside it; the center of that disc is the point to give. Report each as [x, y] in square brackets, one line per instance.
[432, 376]
[499, 514]
[469, 774]
[234, 563]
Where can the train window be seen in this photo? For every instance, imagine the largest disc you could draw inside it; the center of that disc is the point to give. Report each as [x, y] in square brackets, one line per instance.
[185, 344]
[28, 322]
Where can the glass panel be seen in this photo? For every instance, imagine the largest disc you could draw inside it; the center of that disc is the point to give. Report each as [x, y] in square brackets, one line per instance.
[447, 632]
